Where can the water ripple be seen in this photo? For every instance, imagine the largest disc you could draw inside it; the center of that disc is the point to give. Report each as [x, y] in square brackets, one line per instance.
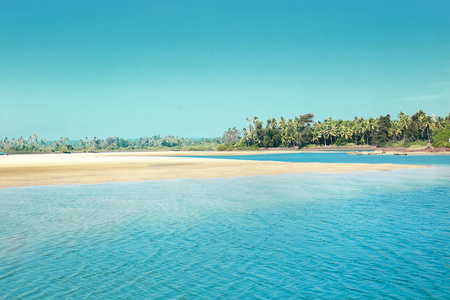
[374, 235]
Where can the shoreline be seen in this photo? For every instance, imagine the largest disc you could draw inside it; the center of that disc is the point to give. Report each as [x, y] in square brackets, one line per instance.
[261, 151]
[93, 168]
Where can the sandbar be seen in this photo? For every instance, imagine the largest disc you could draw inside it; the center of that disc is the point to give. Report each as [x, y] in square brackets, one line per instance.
[94, 168]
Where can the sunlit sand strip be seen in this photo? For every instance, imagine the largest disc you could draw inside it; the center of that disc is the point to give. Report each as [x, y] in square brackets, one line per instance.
[57, 169]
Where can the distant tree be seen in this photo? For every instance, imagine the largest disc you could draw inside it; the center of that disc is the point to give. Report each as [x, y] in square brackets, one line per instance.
[415, 130]
[305, 130]
[35, 137]
[112, 140]
[122, 143]
[381, 136]
[231, 136]
[427, 126]
[21, 142]
[170, 141]
[66, 148]
[7, 143]
[441, 137]
[404, 123]
[95, 142]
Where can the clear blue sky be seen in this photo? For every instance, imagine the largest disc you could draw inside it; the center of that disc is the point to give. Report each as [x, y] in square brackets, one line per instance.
[194, 68]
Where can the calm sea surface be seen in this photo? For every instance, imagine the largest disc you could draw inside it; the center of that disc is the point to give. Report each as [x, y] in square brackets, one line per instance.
[358, 235]
[341, 157]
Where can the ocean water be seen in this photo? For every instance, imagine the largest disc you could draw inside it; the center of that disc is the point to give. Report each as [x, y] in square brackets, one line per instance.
[356, 235]
[341, 157]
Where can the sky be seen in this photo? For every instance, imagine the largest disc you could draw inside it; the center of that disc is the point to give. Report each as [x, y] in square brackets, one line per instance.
[195, 68]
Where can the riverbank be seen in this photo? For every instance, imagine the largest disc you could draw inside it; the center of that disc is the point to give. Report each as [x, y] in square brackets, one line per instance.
[92, 168]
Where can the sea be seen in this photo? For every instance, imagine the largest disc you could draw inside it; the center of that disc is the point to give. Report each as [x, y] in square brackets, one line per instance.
[361, 235]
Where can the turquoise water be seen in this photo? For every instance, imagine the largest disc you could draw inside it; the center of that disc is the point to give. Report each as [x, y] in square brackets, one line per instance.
[358, 235]
[344, 158]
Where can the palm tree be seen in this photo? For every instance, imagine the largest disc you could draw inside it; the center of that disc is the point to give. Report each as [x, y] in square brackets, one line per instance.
[35, 137]
[332, 130]
[283, 131]
[421, 116]
[291, 134]
[323, 131]
[396, 129]
[7, 142]
[440, 121]
[373, 124]
[355, 127]
[274, 123]
[348, 133]
[364, 130]
[315, 135]
[404, 123]
[428, 124]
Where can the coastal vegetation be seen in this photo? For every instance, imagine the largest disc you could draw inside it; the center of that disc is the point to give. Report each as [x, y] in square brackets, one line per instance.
[66, 145]
[417, 131]
[441, 137]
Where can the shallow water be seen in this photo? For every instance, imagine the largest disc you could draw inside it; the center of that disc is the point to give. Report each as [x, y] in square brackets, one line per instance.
[357, 235]
[341, 157]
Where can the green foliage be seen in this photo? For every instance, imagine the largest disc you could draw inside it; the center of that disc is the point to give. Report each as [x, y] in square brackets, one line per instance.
[200, 148]
[254, 147]
[285, 133]
[303, 131]
[224, 147]
[92, 150]
[341, 142]
[66, 148]
[416, 131]
[231, 136]
[221, 147]
[441, 137]
[122, 143]
[381, 136]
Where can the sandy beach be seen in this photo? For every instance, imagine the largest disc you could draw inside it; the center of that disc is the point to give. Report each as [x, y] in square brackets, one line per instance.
[92, 168]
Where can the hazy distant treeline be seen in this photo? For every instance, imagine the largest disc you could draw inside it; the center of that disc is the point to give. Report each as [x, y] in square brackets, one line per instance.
[64, 144]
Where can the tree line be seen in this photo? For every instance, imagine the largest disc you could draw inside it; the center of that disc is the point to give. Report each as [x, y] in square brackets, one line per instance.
[298, 132]
[303, 131]
[114, 143]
